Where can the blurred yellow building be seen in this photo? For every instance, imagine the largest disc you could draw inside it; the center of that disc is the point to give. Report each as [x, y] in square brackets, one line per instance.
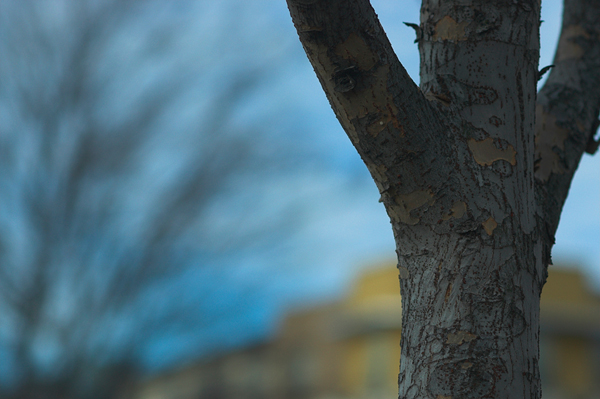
[350, 349]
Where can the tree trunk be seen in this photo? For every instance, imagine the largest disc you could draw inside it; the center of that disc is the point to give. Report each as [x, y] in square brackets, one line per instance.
[472, 186]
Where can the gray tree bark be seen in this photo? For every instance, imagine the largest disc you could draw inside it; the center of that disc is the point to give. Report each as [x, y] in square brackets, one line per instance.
[473, 168]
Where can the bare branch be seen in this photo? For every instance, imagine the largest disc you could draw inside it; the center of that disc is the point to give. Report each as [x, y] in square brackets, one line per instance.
[567, 109]
[372, 95]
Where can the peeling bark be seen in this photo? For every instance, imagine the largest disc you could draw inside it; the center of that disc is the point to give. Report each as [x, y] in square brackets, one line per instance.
[472, 184]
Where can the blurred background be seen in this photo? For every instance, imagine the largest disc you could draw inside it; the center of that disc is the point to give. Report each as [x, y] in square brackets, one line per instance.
[181, 215]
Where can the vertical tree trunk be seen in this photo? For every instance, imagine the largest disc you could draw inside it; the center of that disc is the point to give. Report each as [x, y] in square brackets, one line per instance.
[471, 290]
[454, 161]
[470, 317]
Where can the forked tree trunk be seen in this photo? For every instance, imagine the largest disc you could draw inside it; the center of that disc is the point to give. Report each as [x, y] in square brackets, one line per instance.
[472, 186]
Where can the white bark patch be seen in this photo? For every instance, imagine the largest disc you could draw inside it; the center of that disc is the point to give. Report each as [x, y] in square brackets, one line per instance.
[568, 49]
[458, 210]
[459, 338]
[489, 225]
[355, 48]
[548, 135]
[448, 29]
[466, 365]
[486, 153]
[380, 104]
[378, 172]
[405, 203]
[404, 273]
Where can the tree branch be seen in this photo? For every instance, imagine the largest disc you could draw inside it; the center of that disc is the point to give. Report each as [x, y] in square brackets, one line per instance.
[382, 110]
[567, 109]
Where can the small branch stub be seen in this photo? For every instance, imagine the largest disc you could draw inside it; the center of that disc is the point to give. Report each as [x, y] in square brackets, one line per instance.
[417, 29]
[543, 71]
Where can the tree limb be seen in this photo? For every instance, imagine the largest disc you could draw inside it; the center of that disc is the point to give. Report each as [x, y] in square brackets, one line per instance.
[567, 109]
[382, 110]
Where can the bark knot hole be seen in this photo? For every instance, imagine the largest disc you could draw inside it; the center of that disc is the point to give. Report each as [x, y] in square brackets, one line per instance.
[344, 81]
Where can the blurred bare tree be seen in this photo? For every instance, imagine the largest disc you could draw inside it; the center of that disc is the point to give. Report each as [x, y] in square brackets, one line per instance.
[125, 169]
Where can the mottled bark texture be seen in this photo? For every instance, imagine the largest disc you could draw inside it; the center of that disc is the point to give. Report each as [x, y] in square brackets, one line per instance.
[472, 184]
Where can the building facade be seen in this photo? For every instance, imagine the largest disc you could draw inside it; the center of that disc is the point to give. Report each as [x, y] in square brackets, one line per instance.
[350, 349]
